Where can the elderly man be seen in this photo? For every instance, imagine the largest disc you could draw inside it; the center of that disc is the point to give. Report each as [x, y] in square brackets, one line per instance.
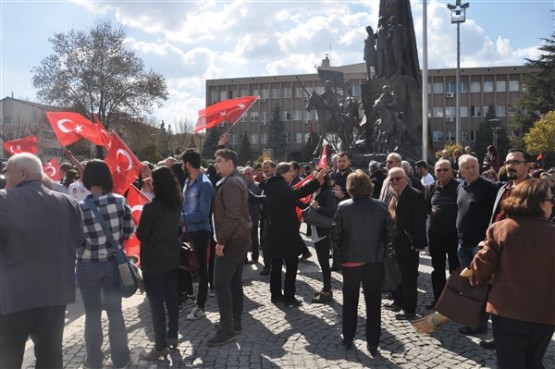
[40, 230]
[406, 206]
[393, 161]
[475, 198]
[232, 228]
[441, 205]
[254, 212]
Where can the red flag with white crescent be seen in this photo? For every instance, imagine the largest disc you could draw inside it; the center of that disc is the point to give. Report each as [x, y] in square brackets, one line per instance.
[25, 144]
[136, 200]
[132, 248]
[304, 200]
[228, 110]
[323, 162]
[52, 169]
[123, 164]
[104, 135]
[70, 127]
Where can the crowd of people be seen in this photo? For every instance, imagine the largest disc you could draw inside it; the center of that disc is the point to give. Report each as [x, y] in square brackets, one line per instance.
[495, 219]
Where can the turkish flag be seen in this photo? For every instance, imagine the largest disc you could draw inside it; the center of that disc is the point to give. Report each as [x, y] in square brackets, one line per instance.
[104, 135]
[305, 199]
[25, 144]
[132, 248]
[136, 200]
[70, 127]
[227, 110]
[323, 162]
[52, 169]
[124, 165]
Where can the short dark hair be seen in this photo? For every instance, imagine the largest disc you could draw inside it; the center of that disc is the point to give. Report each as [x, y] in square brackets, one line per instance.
[421, 164]
[343, 153]
[525, 154]
[359, 184]
[257, 165]
[296, 165]
[97, 173]
[526, 198]
[227, 155]
[192, 157]
[282, 168]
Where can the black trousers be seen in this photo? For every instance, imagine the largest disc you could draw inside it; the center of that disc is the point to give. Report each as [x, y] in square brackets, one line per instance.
[443, 247]
[323, 252]
[255, 245]
[520, 344]
[370, 275]
[264, 244]
[405, 295]
[45, 326]
[289, 290]
[200, 241]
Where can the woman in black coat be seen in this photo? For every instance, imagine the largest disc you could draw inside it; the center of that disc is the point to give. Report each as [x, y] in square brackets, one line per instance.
[284, 241]
[325, 204]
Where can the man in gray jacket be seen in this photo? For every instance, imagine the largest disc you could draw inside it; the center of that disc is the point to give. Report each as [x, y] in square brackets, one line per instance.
[40, 230]
[232, 230]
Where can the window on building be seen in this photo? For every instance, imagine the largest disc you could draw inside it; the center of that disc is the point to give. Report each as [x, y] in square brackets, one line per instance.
[429, 112]
[450, 137]
[464, 111]
[472, 135]
[476, 111]
[501, 86]
[213, 96]
[429, 88]
[299, 138]
[475, 86]
[450, 111]
[355, 90]
[437, 136]
[464, 85]
[464, 135]
[438, 111]
[276, 93]
[244, 91]
[264, 93]
[500, 111]
[264, 116]
[254, 116]
[451, 87]
[488, 86]
[514, 86]
[285, 115]
[254, 138]
[438, 87]
[233, 139]
[299, 92]
[264, 138]
[287, 92]
[297, 115]
[255, 92]
[223, 95]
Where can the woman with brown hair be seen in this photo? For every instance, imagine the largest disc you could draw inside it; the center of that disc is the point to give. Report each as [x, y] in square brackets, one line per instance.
[519, 255]
[364, 232]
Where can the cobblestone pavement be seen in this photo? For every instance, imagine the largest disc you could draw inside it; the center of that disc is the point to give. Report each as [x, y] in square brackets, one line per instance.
[304, 337]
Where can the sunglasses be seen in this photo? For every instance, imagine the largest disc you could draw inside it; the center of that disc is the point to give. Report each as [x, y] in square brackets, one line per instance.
[395, 179]
[442, 170]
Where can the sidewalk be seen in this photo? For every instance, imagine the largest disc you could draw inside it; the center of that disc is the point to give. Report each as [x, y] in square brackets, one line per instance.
[304, 337]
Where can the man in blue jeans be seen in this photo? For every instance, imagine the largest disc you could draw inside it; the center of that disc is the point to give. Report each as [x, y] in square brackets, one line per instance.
[232, 230]
[197, 195]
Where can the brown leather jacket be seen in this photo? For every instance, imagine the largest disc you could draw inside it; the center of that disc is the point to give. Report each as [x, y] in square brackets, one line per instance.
[520, 256]
[231, 210]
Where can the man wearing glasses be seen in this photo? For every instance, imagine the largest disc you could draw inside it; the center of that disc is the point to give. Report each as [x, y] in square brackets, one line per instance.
[517, 163]
[407, 208]
[441, 204]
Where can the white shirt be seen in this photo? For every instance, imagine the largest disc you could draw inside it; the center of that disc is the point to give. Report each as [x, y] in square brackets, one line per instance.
[427, 179]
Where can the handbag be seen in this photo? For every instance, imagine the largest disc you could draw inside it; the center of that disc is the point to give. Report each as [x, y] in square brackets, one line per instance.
[461, 302]
[312, 217]
[128, 281]
[391, 272]
[189, 259]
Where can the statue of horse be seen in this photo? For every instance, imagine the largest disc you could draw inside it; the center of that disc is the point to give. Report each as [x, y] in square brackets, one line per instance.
[332, 122]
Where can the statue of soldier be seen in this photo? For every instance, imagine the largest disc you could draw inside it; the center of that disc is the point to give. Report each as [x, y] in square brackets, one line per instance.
[397, 38]
[382, 63]
[370, 55]
[389, 124]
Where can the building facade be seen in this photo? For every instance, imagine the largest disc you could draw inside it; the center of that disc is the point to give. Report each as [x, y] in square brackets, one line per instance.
[499, 87]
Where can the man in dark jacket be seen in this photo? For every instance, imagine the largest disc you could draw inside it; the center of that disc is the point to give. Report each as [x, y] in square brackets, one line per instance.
[407, 209]
[232, 230]
[40, 230]
[441, 205]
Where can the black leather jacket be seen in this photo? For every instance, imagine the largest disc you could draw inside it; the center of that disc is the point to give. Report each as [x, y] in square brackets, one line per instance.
[362, 230]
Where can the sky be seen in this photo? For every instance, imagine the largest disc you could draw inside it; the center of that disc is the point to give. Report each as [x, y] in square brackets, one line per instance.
[189, 42]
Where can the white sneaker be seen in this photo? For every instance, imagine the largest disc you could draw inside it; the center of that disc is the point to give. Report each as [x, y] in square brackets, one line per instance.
[196, 313]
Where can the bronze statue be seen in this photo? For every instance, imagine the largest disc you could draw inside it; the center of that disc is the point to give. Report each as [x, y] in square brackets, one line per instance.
[383, 48]
[397, 39]
[389, 126]
[370, 55]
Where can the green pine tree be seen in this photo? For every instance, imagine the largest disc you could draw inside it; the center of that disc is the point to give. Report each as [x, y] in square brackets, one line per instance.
[245, 152]
[211, 144]
[484, 136]
[276, 135]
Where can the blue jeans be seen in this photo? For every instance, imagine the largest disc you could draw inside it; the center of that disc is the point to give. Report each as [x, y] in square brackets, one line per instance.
[228, 285]
[94, 280]
[466, 254]
[161, 290]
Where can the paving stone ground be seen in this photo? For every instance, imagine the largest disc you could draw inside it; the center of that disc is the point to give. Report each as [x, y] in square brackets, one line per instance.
[304, 337]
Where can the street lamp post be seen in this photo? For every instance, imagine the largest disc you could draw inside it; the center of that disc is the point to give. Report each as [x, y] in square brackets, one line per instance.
[458, 16]
[495, 129]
